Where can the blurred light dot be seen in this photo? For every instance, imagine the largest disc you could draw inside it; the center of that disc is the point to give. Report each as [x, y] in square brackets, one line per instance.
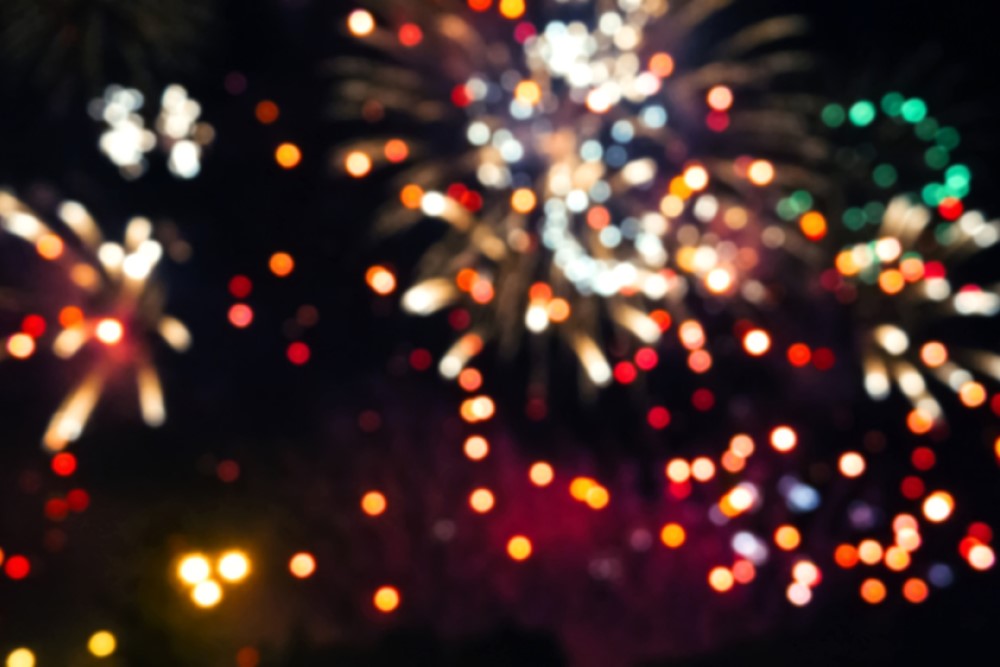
[234, 566]
[358, 164]
[519, 548]
[21, 657]
[410, 35]
[720, 98]
[21, 346]
[102, 644]
[207, 594]
[981, 557]
[241, 315]
[267, 112]
[678, 471]
[673, 535]
[757, 342]
[476, 448]
[873, 591]
[799, 594]
[662, 65]
[721, 579]
[49, 246]
[761, 172]
[787, 538]
[396, 150]
[110, 331]
[852, 464]
[299, 353]
[281, 264]
[373, 503]
[194, 569]
[541, 474]
[938, 506]
[870, 552]
[302, 565]
[381, 280]
[361, 23]
[17, 567]
[783, 439]
[915, 590]
[288, 155]
[64, 464]
[846, 556]
[386, 599]
[481, 501]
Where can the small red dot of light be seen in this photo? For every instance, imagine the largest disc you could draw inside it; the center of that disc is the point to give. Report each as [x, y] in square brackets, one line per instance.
[824, 359]
[951, 208]
[679, 490]
[472, 201]
[228, 471]
[912, 488]
[524, 31]
[64, 464]
[34, 326]
[240, 287]
[981, 532]
[647, 359]
[17, 567]
[241, 316]
[923, 458]
[703, 400]
[799, 355]
[79, 500]
[410, 35]
[56, 509]
[459, 319]
[299, 353]
[420, 359]
[658, 417]
[460, 96]
[456, 191]
[625, 373]
[995, 404]
[717, 121]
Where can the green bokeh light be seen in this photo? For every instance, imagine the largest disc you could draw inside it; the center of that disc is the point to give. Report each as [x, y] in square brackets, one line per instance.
[863, 113]
[937, 158]
[854, 218]
[948, 137]
[892, 104]
[834, 115]
[914, 110]
[885, 176]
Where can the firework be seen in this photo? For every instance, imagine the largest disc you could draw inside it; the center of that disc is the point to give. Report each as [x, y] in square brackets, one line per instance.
[597, 176]
[127, 140]
[896, 244]
[113, 309]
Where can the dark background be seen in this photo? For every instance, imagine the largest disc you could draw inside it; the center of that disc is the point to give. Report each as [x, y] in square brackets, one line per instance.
[236, 396]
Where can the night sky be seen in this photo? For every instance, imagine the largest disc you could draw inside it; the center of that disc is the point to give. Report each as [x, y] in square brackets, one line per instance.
[309, 440]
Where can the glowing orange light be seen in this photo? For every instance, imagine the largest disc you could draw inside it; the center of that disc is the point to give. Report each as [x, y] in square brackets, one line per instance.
[919, 422]
[972, 394]
[813, 225]
[846, 556]
[597, 497]
[742, 445]
[528, 92]
[934, 354]
[852, 464]
[410, 35]
[70, 316]
[559, 310]
[50, 246]
[673, 535]
[411, 196]
[580, 487]
[523, 200]
[915, 590]
[806, 572]
[267, 112]
[744, 572]
[481, 500]
[720, 98]
[373, 503]
[396, 150]
[288, 156]
[541, 474]
[281, 264]
[110, 331]
[761, 172]
[799, 355]
[721, 579]
[470, 379]
[512, 9]
[519, 548]
[381, 280]
[21, 346]
[302, 565]
[480, 5]
[873, 591]
[981, 557]
[386, 599]
[897, 559]
[757, 342]
[476, 448]
[718, 281]
[358, 164]
[870, 552]
[662, 65]
[787, 538]
[891, 281]
[784, 439]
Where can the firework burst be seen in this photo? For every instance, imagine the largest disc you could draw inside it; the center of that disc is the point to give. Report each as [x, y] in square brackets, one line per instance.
[597, 175]
[111, 308]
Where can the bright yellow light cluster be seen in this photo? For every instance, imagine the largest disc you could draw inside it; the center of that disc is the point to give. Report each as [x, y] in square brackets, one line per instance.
[196, 570]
